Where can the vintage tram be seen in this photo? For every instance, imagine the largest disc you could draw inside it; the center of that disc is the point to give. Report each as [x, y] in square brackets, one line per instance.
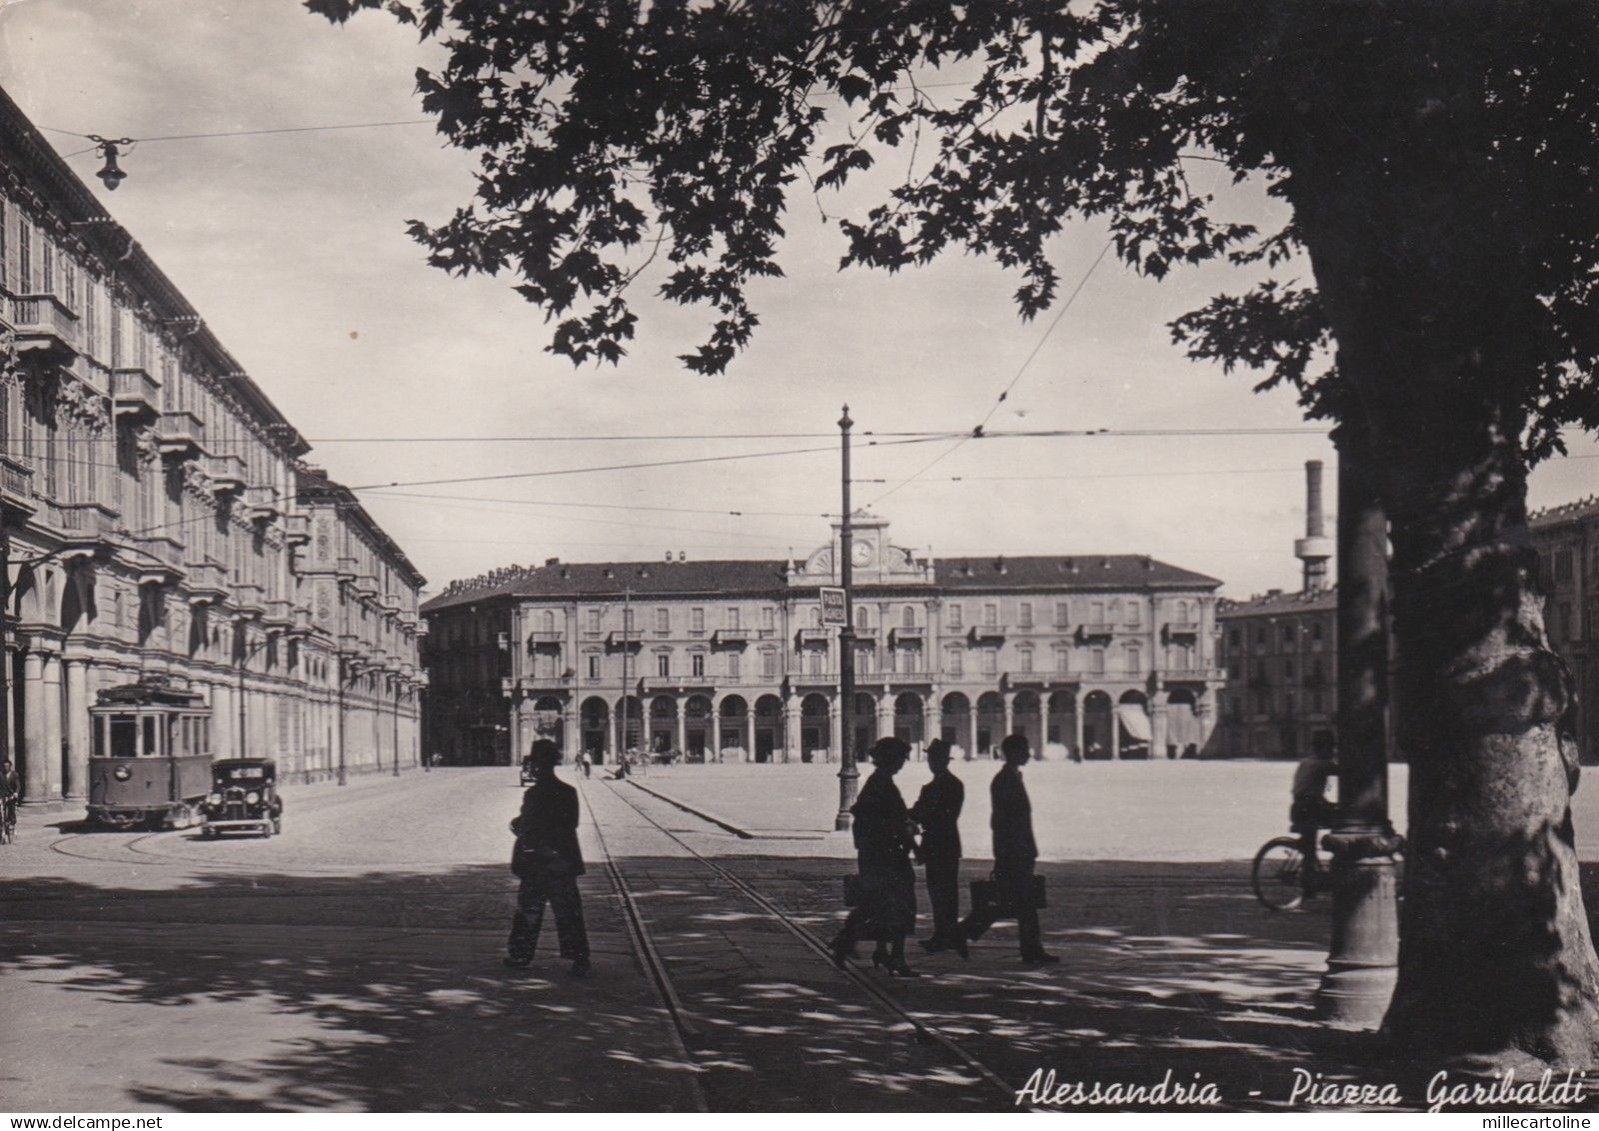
[151, 762]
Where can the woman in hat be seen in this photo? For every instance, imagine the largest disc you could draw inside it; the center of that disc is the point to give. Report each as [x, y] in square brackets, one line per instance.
[883, 845]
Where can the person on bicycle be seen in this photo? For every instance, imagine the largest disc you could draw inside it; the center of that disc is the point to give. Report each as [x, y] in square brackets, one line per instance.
[1311, 811]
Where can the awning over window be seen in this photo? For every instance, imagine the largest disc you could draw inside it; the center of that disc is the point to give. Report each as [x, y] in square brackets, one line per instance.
[1135, 719]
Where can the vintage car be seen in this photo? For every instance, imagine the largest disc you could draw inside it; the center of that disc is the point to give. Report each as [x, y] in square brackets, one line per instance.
[243, 797]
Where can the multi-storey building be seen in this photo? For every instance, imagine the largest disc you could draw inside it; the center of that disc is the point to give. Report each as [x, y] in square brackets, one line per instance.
[1094, 656]
[1567, 538]
[158, 519]
[1280, 655]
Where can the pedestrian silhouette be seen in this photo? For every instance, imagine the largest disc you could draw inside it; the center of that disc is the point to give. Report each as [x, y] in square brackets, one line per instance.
[887, 881]
[937, 811]
[1015, 855]
[548, 861]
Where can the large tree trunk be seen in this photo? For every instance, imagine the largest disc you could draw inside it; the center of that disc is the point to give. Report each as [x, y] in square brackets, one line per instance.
[1424, 256]
[1495, 955]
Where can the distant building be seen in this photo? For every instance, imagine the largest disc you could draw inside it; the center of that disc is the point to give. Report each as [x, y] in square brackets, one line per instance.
[1567, 538]
[1279, 651]
[1099, 656]
[1280, 655]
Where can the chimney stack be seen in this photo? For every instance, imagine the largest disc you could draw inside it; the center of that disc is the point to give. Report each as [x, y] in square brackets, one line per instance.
[1315, 548]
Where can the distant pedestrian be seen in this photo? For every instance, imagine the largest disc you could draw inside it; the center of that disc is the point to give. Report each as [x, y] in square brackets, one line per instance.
[548, 861]
[937, 811]
[583, 762]
[883, 845]
[1015, 855]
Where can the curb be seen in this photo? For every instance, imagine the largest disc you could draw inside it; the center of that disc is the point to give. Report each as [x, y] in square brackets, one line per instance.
[729, 826]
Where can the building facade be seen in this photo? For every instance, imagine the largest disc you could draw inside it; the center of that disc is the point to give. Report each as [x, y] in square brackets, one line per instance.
[1280, 655]
[1094, 656]
[159, 519]
[1567, 539]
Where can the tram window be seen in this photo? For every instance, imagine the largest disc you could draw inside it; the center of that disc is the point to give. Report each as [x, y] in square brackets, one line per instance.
[152, 738]
[99, 737]
[205, 736]
[124, 736]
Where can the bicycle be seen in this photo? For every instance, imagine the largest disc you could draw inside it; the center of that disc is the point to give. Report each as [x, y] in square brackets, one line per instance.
[1280, 878]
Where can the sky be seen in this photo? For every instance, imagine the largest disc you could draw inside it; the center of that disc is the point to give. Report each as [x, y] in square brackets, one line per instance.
[293, 247]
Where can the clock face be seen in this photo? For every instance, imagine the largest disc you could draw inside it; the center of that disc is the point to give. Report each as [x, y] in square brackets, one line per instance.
[860, 553]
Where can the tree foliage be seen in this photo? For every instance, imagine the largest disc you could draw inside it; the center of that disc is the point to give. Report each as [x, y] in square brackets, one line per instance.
[611, 133]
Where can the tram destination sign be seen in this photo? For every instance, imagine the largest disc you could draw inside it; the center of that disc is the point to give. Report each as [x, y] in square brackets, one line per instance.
[833, 607]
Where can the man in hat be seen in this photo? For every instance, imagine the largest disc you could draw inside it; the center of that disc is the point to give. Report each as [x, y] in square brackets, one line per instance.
[1015, 853]
[937, 811]
[548, 861]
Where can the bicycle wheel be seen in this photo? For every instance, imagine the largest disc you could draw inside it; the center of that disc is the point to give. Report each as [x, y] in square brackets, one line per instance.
[1278, 874]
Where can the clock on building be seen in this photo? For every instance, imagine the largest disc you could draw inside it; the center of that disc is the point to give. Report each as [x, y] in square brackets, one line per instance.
[861, 553]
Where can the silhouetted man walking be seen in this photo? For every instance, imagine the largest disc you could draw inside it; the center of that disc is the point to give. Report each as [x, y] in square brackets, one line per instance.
[937, 811]
[548, 861]
[1015, 854]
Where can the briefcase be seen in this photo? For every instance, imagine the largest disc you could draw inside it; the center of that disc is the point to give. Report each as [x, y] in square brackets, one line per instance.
[990, 893]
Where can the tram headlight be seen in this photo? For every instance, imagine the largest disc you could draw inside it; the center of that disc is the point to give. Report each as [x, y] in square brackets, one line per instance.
[252, 797]
[122, 773]
[213, 799]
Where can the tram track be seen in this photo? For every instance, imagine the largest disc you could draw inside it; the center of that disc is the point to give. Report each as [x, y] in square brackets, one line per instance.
[689, 1032]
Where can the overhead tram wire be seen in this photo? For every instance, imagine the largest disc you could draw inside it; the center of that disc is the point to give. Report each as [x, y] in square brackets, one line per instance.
[978, 431]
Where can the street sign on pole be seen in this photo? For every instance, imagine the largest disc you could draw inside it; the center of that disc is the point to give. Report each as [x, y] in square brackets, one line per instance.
[833, 607]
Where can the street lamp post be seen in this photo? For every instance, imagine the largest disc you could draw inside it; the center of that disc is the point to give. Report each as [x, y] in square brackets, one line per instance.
[848, 775]
[1363, 961]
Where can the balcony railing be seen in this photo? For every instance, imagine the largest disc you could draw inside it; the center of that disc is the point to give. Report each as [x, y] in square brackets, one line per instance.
[302, 618]
[135, 395]
[546, 636]
[180, 434]
[226, 472]
[731, 635]
[987, 632]
[297, 528]
[262, 503]
[45, 324]
[16, 483]
[914, 633]
[208, 581]
[163, 547]
[813, 635]
[249, 596]
[92, 518]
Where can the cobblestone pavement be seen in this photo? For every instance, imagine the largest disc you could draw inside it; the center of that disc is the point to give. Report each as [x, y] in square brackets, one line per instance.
[353, 964]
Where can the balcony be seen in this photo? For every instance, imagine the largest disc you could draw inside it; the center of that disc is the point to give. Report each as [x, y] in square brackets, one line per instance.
[180, 435]
[261, 504]
[45, 326]
[987, 632]
[135, 395]
[1182, 631]
[279, 614]
[16, 486]
[349, 644]
[297, 528]
[93, 519]
[906, 634]
[616, 641]
[545, 638]
[166, 551]
[815, 635]
[1195, 675]
[248, 594]
[347, 569]
[725, 637]
[208, 582]
[226, 473]
[302, 618]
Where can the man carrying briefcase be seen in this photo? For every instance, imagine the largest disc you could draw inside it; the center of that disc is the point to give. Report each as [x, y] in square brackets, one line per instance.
[1015, 855]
